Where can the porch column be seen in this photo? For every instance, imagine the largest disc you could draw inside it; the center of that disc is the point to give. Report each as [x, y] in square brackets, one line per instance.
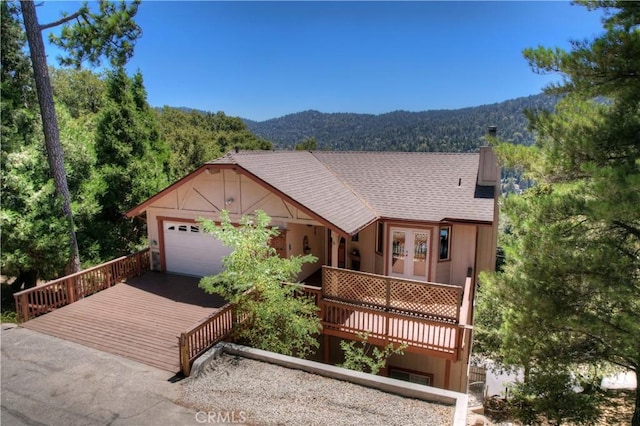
[335, 243]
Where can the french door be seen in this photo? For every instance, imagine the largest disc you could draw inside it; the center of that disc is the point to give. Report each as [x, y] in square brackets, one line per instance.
[409, 253]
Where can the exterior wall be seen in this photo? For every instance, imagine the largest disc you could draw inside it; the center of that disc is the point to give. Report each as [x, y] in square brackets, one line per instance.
[366, 246]
[437, 367]
[208, 194]
[463, 252]
[486, 256]
[315, 235]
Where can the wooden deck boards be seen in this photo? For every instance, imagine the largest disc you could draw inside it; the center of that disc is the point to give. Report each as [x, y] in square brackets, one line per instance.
[140, 319]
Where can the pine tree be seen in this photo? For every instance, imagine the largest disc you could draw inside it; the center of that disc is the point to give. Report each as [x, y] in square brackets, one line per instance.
[32, 230]
[110, 33]
[569, 292]
[132, 163]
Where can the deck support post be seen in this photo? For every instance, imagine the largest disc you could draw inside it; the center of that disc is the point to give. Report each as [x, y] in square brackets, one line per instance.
[335, 244]
[326, 348]
[447, 373]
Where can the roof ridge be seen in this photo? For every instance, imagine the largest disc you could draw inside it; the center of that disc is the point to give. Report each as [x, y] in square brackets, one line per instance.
[346, 185]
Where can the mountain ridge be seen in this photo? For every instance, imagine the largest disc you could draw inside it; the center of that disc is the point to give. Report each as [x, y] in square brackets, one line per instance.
[457, 130]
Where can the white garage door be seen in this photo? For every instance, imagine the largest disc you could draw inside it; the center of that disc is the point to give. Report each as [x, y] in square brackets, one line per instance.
[189, 250]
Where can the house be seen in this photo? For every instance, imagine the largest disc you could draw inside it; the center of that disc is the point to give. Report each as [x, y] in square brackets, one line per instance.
[400, 240]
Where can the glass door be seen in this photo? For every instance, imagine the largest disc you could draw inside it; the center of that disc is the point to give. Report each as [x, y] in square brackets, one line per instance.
[409, 253]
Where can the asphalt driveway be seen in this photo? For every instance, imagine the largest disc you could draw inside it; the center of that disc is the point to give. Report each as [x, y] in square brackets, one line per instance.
[49, 381]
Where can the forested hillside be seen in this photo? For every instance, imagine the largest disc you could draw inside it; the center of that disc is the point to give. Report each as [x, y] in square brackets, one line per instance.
[118, 152]
[438, 130]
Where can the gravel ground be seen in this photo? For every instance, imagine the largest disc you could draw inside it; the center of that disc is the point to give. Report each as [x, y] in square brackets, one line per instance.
[253, 392]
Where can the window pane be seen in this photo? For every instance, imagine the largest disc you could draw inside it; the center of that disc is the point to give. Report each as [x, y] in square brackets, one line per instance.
[444, 243]
[399, 254]
[380, 237]
[420, 243]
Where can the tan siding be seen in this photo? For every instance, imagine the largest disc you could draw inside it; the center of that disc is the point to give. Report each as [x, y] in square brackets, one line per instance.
[486, 256]
[205, 196]
[366, 246]
[295, 236]
[463, 247]
[443, 272]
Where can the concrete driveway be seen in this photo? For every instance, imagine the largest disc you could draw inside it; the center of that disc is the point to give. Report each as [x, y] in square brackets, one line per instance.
[49, 381]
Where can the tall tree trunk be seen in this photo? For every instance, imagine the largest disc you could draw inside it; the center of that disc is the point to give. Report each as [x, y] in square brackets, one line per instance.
[55, 154]
[635, 421]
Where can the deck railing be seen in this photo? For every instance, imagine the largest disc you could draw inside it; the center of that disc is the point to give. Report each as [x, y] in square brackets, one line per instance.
[196, 341]
[430, 300]
[420, 334]
[385, 324]
[41, 299]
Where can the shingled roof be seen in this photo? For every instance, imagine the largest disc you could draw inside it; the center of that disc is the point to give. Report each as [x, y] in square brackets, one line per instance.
[300, 176]
[352, 189]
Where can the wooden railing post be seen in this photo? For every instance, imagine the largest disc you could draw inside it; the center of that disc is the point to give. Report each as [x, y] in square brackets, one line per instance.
[22, 307]
[138, 265]
[71, 290]
[183, 345]
[388, 295]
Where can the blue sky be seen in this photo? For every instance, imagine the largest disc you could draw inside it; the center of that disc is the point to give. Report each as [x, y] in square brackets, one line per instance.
[262, 60]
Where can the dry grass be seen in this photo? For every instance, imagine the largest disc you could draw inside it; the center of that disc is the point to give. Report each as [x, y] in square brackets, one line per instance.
[617, 409]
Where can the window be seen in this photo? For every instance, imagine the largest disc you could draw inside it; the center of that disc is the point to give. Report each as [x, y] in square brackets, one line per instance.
[379, 237]
[411, 376]
[445, 242]
[195, 228]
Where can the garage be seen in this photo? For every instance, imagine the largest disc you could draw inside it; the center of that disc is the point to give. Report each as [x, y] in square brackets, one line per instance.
[189, 250]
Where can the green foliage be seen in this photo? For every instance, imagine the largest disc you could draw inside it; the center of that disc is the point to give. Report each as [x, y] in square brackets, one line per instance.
[461, 130]
[131, 163]
[553, 397]
[82, 92]
[568, 294]
[362, 356]
[7, 316]
[275, 317]
[33, 233]
[18, 96]
[195, 137]
[308, 144]
[110, 32]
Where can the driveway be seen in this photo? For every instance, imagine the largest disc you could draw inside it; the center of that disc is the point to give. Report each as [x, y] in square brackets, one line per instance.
[49, 381]
[140, 318]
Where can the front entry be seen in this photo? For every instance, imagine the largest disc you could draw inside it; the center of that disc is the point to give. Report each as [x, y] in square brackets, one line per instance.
[409, 250]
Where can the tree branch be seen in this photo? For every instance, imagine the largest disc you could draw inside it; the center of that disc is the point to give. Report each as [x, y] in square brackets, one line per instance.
[632, 230]
[60, 21]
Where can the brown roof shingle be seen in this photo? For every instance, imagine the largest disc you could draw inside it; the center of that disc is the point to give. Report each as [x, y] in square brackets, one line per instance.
[300, 176]
[352, 189]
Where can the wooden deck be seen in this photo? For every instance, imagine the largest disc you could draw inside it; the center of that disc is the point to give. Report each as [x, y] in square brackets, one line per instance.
[140, 318]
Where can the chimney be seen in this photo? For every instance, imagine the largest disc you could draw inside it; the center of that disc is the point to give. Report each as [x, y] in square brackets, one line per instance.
[488, 170]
